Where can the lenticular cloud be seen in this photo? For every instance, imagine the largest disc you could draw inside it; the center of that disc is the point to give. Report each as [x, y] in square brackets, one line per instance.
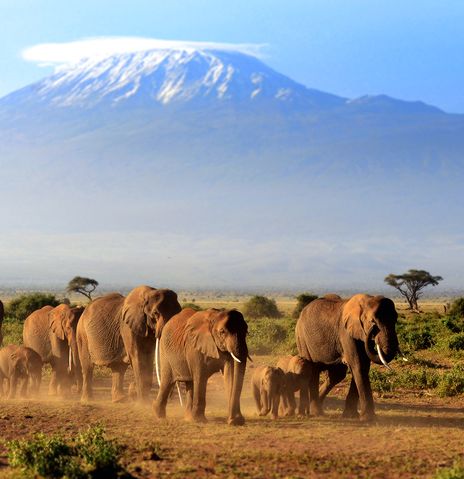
[72, 52]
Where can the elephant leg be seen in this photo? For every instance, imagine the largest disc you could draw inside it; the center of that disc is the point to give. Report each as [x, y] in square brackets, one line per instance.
[141, 352]
[256, 397]
[87, 369]
[335, 374]
[24, 386]
[117, 382]
[351, 402]
[360, 373]
[189, 400]
[265, 403]
[53, 385]
[165, 388]
[63, 380]
[303, 405]
[275, 405]
[291, 403]
[315, 405]
[199, 396]
[13, 386]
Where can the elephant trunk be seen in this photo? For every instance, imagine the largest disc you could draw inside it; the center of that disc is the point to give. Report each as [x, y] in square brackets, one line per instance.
[381, 347]
[235, 415]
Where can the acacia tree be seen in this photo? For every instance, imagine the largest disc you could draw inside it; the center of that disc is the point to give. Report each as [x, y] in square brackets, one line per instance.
[85, 286]
[411, 284]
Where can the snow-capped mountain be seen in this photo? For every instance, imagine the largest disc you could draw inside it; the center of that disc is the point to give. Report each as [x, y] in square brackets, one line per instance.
[165, 77]
[212, 157]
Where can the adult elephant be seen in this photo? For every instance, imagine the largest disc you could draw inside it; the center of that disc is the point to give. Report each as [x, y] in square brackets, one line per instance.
[116, 331]
[195, 345]
[335, 334]
[2, 312]
[51, 332]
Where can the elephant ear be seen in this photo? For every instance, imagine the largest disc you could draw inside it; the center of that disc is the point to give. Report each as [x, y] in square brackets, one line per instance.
[133, 310]
[353, 316]
[198, 333]
[56, 319]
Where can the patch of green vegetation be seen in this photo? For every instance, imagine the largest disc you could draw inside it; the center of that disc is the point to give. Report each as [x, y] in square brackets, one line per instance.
[193, 306]
[20, 308]
[452, 382]
[302, 300]
[90, 455]
[456, 471]
[457, 308]
[261, 307]
[12, 330]
[271, 336]
[456, 342]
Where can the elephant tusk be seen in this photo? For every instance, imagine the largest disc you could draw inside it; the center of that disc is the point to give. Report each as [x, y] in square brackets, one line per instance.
[379, 352]
[156, 362]
[180, 394]
[249, 357]
[70, 360]
[235, 357]
[402, 355]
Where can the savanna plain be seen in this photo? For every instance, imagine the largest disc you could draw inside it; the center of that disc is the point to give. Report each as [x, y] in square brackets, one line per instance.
[418, 432]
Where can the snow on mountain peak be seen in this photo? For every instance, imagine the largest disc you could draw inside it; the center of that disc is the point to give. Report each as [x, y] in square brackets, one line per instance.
[166, 76]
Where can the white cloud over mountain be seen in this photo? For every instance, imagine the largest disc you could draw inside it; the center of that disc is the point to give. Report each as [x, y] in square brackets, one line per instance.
[100, 47]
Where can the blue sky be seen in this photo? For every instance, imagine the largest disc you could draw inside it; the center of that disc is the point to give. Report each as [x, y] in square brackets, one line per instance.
[410, 50]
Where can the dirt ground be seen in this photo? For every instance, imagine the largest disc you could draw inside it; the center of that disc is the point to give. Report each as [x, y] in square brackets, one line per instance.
[412, 437]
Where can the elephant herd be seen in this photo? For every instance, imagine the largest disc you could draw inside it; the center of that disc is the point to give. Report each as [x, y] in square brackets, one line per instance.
[148, 326]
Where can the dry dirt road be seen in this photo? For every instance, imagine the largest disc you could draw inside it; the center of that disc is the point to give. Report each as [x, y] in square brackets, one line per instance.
[412, 437]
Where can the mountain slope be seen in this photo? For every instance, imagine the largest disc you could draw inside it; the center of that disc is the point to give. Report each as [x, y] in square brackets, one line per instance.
[211, 151]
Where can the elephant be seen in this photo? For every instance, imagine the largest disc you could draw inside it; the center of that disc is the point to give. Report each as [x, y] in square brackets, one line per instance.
[268, 385]
[2, 313]
[116, 331]
[20, 364]
[334, 334]
[51, 332]
[195, 345]
[297, 373]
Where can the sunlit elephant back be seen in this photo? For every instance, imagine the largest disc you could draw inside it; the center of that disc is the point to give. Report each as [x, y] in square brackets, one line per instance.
[116, 331]
[51, 332]
[195, 345]
[335, 334]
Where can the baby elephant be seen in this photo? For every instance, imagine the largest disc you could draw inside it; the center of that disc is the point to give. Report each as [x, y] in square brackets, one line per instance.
[297, 373]
[268, 383]
[19, 364]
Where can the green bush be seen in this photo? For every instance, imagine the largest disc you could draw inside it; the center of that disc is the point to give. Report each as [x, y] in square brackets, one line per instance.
[267, 336]
[423, 378]
[12, 331]
[452, 382]
[302, 300]
[20, 308]
[457, 308]
[416, 338]
[382, 381]
[261, 307]
[456, 342]
[91, 455]
[456, 471]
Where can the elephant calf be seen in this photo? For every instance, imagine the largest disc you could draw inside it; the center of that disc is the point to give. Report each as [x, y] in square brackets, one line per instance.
[19, 364]
[297, 373]
[268, 384]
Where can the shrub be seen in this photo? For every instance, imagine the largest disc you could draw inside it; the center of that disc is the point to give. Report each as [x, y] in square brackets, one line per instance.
[452, 382]
[456, 471]
[266, 336]
[423, 378]
[91, 455]
[417, 339]
[261, 307]
[381, 381]
[302, 300]
[12, 331]
[457, 308]
[456, 342]
[21, 307]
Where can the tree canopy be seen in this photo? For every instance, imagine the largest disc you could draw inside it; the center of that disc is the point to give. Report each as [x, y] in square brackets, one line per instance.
[302, 300]
[261, 307]
[411, 284]
[85, 286]
[22, 306]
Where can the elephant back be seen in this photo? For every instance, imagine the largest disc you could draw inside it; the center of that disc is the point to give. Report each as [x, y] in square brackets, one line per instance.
[101, 322]
[36, 333]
